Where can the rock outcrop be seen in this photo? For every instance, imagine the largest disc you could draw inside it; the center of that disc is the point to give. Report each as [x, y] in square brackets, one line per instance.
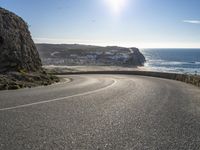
[17, 49]
[20, 64]
[137, 58]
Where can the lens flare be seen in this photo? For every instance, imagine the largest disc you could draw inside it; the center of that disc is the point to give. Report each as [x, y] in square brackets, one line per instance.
[116, 6]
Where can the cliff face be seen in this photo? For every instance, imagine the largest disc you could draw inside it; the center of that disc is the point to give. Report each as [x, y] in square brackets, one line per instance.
[20, 64]
[17, 49]
[137, 58]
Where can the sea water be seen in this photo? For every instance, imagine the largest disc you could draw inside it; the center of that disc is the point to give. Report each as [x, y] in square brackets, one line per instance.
[185, 61]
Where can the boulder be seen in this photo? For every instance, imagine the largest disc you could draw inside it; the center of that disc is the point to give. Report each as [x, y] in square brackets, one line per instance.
[17, 49]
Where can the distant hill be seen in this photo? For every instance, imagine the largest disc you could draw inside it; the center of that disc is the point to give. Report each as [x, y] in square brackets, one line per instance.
[75, 54]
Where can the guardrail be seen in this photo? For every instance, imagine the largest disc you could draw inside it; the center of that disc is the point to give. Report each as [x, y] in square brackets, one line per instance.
[191, 79]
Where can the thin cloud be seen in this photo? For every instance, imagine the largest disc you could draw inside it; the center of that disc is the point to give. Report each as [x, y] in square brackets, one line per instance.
[192, 21]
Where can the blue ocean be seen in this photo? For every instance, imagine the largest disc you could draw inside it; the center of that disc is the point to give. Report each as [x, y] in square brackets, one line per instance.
[186, 61]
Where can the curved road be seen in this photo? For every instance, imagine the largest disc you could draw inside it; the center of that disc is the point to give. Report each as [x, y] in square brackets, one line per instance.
[97, 112]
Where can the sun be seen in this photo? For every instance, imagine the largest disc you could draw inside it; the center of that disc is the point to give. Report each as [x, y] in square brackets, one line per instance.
[116, 6]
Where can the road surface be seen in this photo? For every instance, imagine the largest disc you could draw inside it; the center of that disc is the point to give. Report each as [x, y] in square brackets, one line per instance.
[96, 112]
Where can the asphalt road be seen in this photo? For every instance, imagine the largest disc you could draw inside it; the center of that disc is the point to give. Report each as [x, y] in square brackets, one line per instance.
[97, 112]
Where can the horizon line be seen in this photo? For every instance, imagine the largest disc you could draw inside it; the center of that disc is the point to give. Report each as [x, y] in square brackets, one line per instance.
[120, 46]
[100, 43]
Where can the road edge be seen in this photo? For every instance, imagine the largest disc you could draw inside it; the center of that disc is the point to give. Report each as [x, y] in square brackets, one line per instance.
[190, 79]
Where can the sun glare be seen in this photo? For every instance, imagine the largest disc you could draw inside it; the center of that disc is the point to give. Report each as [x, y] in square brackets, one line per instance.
[116, 6]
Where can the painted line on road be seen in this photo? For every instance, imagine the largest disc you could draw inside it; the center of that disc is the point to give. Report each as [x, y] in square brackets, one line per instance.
[59, 99]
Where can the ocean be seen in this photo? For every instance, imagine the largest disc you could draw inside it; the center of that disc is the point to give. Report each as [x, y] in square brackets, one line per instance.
[186, 61]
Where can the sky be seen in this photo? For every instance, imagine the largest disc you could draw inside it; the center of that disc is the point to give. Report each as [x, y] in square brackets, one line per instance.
[139, 23]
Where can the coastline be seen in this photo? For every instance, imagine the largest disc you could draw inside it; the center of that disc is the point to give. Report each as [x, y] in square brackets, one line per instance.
[181, 61]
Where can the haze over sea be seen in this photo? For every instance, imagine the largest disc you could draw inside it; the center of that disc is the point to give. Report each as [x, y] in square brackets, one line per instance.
[173, 60]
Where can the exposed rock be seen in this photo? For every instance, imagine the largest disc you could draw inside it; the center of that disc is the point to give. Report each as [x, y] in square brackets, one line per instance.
[20, 64]
[17, 49]
[137, 58]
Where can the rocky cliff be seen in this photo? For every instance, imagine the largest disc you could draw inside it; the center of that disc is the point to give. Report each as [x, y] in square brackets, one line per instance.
[20, 64]
[17, 50]
[137, 58]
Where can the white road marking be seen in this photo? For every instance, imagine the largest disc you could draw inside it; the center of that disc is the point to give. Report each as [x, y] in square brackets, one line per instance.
[59, 99]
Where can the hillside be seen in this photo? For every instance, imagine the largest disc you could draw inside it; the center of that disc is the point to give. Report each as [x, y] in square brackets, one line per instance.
[74, 54]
